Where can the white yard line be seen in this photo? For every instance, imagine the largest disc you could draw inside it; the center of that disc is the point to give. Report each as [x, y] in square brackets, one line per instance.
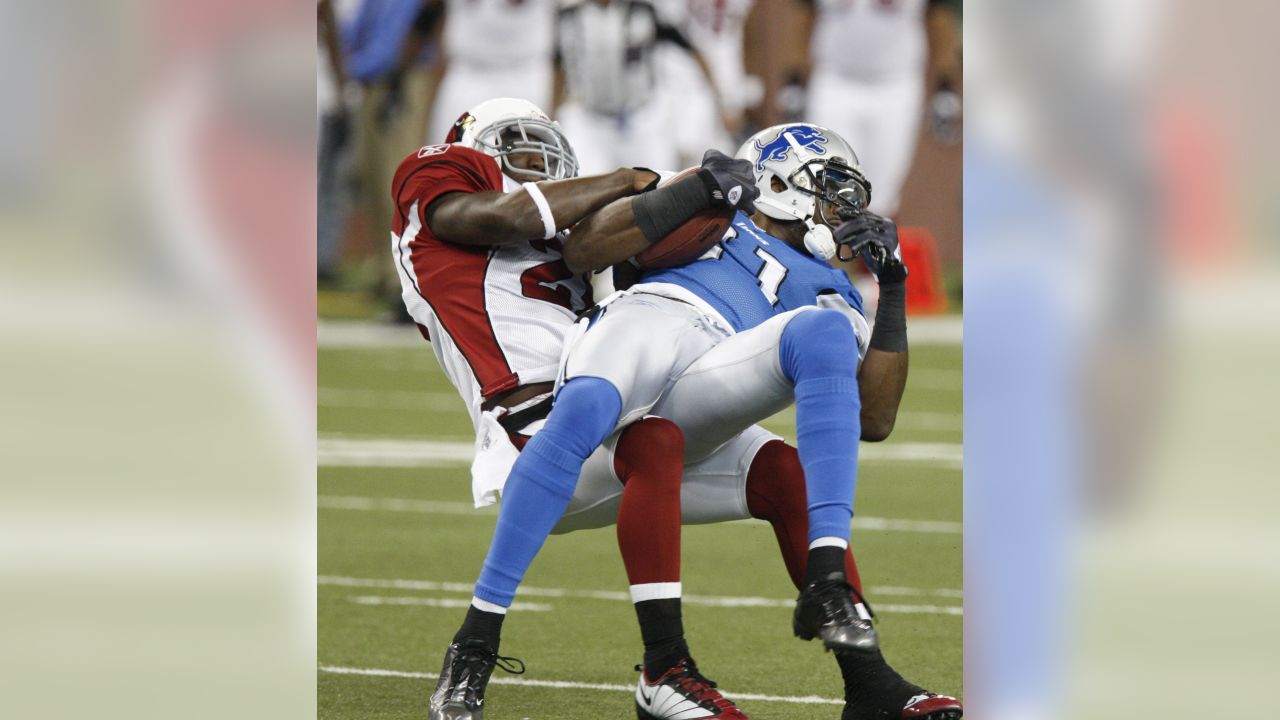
[439, 602]
[365, 334]
[922, 420]
[429, 507]
[616, 596]
[390, 400]
[445, 507]
[351, 451]
[567, 685]
[937, 330]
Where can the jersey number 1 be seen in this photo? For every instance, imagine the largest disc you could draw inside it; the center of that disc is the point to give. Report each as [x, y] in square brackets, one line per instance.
[770, 275]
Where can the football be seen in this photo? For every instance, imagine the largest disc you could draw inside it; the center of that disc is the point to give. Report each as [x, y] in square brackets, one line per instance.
[697, 235]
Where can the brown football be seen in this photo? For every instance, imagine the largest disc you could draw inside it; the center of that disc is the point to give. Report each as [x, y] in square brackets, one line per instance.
[688, 242]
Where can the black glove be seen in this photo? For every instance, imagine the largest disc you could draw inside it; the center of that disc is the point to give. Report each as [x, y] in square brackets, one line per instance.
[732, 183]
[875, 238]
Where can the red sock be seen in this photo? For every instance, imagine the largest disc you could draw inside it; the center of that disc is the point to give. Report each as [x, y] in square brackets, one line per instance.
[649, 461]
[776, 493]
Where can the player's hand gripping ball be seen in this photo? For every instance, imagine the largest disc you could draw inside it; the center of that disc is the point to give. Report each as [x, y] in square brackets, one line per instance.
[688, 242]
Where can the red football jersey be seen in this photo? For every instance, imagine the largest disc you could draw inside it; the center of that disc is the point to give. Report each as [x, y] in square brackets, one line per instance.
[497, 314]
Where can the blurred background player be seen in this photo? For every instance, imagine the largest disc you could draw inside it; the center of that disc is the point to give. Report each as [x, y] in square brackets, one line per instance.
[665, 90]
[492, 48]
[334, 134]
[389, 48]
[715, 28]
[606, 93]
[868, 65]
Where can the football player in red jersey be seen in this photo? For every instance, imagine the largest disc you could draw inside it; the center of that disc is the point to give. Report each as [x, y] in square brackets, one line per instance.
[477, 244]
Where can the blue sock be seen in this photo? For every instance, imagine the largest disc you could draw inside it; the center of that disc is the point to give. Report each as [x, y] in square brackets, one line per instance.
[542, 481]
[820, 355]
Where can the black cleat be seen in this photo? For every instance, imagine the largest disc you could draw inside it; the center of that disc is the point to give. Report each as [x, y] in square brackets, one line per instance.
[459, 694]
[924, 706]
[826, 609]
[875, 691]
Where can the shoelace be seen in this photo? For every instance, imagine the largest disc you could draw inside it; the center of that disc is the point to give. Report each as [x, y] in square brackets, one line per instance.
[832, 596]
[833, 592]
[699, 686]
[478, 660]
[858, 596]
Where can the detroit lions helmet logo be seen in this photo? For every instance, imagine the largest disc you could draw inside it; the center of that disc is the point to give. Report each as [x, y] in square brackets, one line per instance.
[806, 136]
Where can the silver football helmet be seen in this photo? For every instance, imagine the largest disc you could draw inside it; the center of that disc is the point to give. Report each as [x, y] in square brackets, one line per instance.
[502, 127]
[799, 164]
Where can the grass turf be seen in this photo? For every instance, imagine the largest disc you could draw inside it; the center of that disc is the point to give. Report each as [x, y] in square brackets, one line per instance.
[585, 637]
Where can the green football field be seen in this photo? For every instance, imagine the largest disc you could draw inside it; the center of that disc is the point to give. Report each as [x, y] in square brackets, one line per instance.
[399, 545]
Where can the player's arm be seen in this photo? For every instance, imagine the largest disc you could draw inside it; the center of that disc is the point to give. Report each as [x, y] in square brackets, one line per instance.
[883, 372]
[626, 227]
[883, 375]
[498, 218]
[605, 238]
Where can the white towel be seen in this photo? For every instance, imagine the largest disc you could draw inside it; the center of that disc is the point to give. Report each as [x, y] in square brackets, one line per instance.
[494, 457]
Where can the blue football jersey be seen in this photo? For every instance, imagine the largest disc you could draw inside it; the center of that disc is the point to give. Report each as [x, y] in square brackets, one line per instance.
[752, 276]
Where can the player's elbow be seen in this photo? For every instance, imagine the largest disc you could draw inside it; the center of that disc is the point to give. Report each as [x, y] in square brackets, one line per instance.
[474, 219]
[589, 252]
[876, 427]
[509, 218]
[577, 256]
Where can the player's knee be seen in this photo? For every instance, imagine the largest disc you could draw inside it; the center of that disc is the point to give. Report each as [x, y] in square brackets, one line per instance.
[775, 483]
[654, 443]
[818, 339]
[654, 436]
[585, 412]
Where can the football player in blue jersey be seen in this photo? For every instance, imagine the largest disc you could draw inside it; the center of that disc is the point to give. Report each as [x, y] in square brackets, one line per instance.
[758, 322]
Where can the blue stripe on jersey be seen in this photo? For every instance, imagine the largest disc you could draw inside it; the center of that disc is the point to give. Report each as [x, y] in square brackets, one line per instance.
[752, 276]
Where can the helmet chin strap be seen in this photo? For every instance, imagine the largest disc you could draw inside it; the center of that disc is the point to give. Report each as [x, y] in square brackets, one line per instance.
[819, 241]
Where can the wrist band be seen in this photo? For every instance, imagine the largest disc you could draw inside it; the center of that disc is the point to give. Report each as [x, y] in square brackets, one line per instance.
[890, 332]
[660, 211]
[544, 210]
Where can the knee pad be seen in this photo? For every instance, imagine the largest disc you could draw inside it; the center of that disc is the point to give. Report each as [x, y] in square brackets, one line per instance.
[650, 440]
[820, 344]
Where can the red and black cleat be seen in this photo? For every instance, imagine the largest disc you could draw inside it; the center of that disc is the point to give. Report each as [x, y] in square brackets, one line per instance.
[931, 706]
[682, 693]
[875, 691]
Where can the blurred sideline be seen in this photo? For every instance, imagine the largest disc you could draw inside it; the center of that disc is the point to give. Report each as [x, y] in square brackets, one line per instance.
[1121, 321]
